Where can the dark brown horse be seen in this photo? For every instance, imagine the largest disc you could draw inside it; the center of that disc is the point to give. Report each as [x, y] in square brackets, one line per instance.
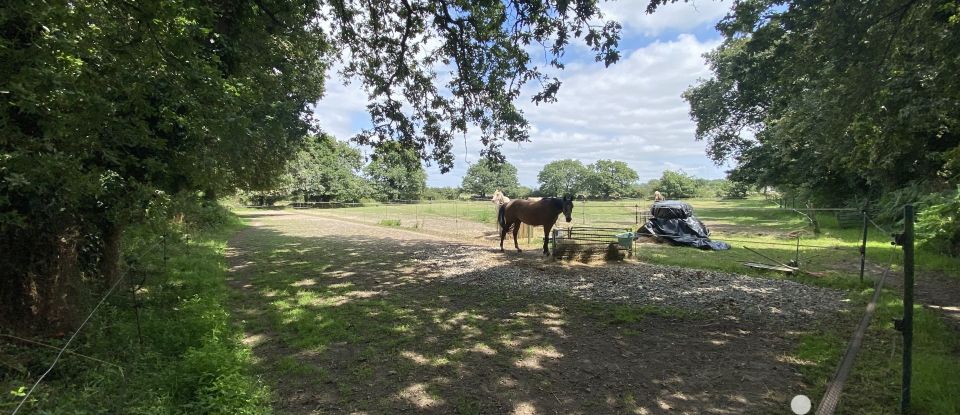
[543, 212]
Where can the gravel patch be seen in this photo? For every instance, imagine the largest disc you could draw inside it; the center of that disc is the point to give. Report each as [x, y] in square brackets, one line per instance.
[710, 293]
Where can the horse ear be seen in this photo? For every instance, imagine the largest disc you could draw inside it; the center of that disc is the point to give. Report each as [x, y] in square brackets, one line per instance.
[567, 198]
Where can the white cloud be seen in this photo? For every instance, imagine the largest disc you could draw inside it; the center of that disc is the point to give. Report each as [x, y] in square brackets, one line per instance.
[340, 105]
[631, 111]
[681, 16]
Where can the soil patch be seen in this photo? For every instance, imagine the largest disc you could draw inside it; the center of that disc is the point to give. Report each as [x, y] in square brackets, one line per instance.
[344, 317]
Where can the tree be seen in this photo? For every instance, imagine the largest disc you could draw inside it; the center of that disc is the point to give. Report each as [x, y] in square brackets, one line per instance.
[838, 99]
[523, 191]
[562, 177]
[396, 47]
[677, 185]
[645, 190]
[109, 108]
[608, 177]
[327, 170]
[485, 177]
[396, 173]
[734, 190]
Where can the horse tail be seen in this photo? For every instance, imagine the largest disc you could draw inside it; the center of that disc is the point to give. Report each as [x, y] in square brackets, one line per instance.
[501, 217]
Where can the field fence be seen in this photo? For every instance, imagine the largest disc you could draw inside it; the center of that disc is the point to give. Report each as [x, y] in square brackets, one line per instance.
[131, 269]
[773, 233]
[476, 220]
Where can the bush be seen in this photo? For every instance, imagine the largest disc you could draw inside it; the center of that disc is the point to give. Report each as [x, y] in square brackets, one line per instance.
[678, 185]
[938, 224]
[888, 209]
[735, 190]
[191, 360]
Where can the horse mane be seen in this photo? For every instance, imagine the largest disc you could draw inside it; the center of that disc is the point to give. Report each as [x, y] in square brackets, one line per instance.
[557, 203]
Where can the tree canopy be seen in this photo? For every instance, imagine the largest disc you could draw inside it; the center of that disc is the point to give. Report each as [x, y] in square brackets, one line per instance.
[110, 106]
[562, 177]
[677, 185]
[326, 170]
[396, 173]
[836, 98]
[399, 49]
[485, 177]
[606, 178]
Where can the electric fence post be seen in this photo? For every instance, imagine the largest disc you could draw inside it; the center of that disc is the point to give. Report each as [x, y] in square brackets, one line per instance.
[907, 327]
[863, 245]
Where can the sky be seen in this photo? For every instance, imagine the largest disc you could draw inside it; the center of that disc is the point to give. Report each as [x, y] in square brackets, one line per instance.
[631, 111]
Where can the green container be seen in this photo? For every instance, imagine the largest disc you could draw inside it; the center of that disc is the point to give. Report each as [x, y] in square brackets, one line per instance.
[626, 239]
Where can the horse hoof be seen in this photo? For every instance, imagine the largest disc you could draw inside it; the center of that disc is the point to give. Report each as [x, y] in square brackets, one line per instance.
[518, 250]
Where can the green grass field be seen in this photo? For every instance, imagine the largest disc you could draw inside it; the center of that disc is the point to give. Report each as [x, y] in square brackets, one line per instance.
[755, 223]
[832, 255]
[192, 361]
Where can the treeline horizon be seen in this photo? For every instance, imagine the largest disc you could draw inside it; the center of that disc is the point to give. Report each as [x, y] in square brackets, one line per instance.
[330, 170]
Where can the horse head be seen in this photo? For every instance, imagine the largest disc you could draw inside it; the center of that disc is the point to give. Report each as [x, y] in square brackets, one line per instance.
[568, 207]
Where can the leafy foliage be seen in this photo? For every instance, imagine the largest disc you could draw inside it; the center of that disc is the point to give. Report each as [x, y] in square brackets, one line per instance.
[485, 177]
[191, 359]
[396, 173]
[645, 190]
[938, 225]
[441, 193]
[327, 170]
[563, 177]
[734, 190]
[838, 98]
[399, 48]
[108, 106]
[606, 178]
[677, 185]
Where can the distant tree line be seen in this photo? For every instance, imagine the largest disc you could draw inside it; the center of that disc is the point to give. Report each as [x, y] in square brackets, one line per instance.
[327, 170]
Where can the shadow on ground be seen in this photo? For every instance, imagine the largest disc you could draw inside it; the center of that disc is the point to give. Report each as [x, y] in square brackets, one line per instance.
[356, 323]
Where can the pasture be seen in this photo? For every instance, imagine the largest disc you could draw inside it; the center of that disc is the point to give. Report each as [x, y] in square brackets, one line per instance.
[411, 308]
[393, 308]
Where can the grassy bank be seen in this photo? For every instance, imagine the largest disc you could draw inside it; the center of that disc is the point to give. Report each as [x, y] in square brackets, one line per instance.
[874, 383]
[190, 359]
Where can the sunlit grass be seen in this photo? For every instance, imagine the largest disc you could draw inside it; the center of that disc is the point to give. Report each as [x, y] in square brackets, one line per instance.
[874, 384]
[831, 256]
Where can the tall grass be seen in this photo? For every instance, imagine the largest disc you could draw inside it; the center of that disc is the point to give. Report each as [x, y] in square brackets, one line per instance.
[190, 360]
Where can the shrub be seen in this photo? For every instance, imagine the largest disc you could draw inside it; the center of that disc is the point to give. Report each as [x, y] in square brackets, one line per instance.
[390, 222]
[938, 223]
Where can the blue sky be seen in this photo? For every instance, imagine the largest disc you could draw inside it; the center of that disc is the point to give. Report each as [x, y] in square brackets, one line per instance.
[631, 111]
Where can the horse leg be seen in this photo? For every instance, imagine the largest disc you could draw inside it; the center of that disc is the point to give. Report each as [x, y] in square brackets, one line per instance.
[546, 239]
[503, 234]
[516, 229]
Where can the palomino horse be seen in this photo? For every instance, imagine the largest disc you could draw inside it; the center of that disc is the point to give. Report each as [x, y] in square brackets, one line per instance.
[543, 212]
[499, 198]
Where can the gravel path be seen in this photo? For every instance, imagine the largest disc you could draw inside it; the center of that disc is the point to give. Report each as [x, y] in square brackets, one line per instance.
[732, 296]
[720, 294]
[377, 319]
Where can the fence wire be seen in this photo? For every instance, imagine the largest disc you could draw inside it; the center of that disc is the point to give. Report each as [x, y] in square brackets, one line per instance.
[475, 221]
[120, 278]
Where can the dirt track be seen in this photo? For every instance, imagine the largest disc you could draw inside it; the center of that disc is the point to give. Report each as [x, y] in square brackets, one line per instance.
[344, 317]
